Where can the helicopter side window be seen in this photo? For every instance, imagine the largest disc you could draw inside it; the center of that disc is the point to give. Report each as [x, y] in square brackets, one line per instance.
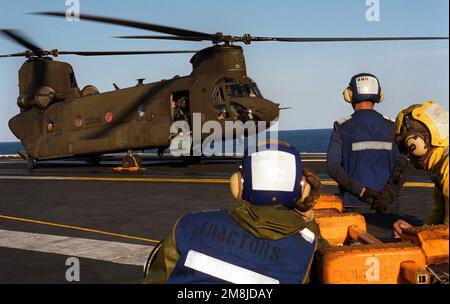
[239, 112]
[217, 96]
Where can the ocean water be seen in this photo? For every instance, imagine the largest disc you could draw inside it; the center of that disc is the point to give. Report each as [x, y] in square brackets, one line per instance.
[10, 147]
[310, 141]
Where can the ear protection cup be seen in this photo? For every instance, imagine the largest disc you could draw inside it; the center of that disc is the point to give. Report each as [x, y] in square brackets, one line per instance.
[306, 189]
[348, 94]
[381, 96]
[236, 185]
[416, 145]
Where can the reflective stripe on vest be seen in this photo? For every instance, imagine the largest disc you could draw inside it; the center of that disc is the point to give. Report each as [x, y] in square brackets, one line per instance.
[224, 270]
[371, 145]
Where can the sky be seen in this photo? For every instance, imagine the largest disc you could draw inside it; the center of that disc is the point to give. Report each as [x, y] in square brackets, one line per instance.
[308, 77]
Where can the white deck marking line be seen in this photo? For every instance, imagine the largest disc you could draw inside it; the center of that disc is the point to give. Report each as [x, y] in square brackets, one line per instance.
[114, 252]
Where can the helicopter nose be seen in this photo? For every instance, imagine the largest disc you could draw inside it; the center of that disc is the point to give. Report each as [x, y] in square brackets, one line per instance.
[272, 111]
[256, 109]
[267, 110]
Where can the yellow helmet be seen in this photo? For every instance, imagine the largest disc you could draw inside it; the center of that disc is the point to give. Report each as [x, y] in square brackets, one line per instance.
[418, 126]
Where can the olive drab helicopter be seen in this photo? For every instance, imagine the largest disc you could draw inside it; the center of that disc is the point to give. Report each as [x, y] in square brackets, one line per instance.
[59, 120]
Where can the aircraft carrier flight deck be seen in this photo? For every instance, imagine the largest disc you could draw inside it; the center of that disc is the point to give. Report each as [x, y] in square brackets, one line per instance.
[111, 220]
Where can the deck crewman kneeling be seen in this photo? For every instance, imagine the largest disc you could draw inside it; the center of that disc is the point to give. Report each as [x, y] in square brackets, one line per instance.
[422, 134]
[268, 235]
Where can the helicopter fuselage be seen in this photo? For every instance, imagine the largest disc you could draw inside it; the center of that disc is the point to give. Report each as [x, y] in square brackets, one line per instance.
[66, 122]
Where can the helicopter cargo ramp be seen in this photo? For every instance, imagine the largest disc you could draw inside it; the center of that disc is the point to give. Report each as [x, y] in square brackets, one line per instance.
[110, 221]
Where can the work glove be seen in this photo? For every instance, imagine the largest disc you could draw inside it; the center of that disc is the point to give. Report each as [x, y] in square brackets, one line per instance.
[379, 200]
[391, 190]
[308, 200]
[369, 196]
[383, 200]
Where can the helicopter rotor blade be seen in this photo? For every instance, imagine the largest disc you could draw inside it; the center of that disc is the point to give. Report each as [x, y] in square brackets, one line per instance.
[184, 34]
[136, 24]
[344, 39]
[120, 53]
[248, 38]
[184, 38]
[56, 53]
[21, 54]
[19, 38]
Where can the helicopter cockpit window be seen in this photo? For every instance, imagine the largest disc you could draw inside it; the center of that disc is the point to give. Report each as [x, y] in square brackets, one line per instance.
[222, 111]
[239, 112]
[252, 89]
[235, 90]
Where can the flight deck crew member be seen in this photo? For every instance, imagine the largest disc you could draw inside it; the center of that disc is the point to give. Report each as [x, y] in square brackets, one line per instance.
[422, 134]
[362, 153]
[268, 235]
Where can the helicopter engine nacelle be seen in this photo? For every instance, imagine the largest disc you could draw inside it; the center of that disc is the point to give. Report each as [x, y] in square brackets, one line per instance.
[44, 97]
[25, 101]
[89, 90]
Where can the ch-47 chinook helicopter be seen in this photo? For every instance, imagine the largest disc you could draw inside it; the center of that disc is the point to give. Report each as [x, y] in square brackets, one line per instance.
[58, 120]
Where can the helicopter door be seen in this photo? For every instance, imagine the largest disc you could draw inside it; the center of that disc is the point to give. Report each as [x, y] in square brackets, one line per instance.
[180, 107]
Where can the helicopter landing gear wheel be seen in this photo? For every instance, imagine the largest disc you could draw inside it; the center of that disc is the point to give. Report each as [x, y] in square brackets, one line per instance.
[94, 160]
[31, 163]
